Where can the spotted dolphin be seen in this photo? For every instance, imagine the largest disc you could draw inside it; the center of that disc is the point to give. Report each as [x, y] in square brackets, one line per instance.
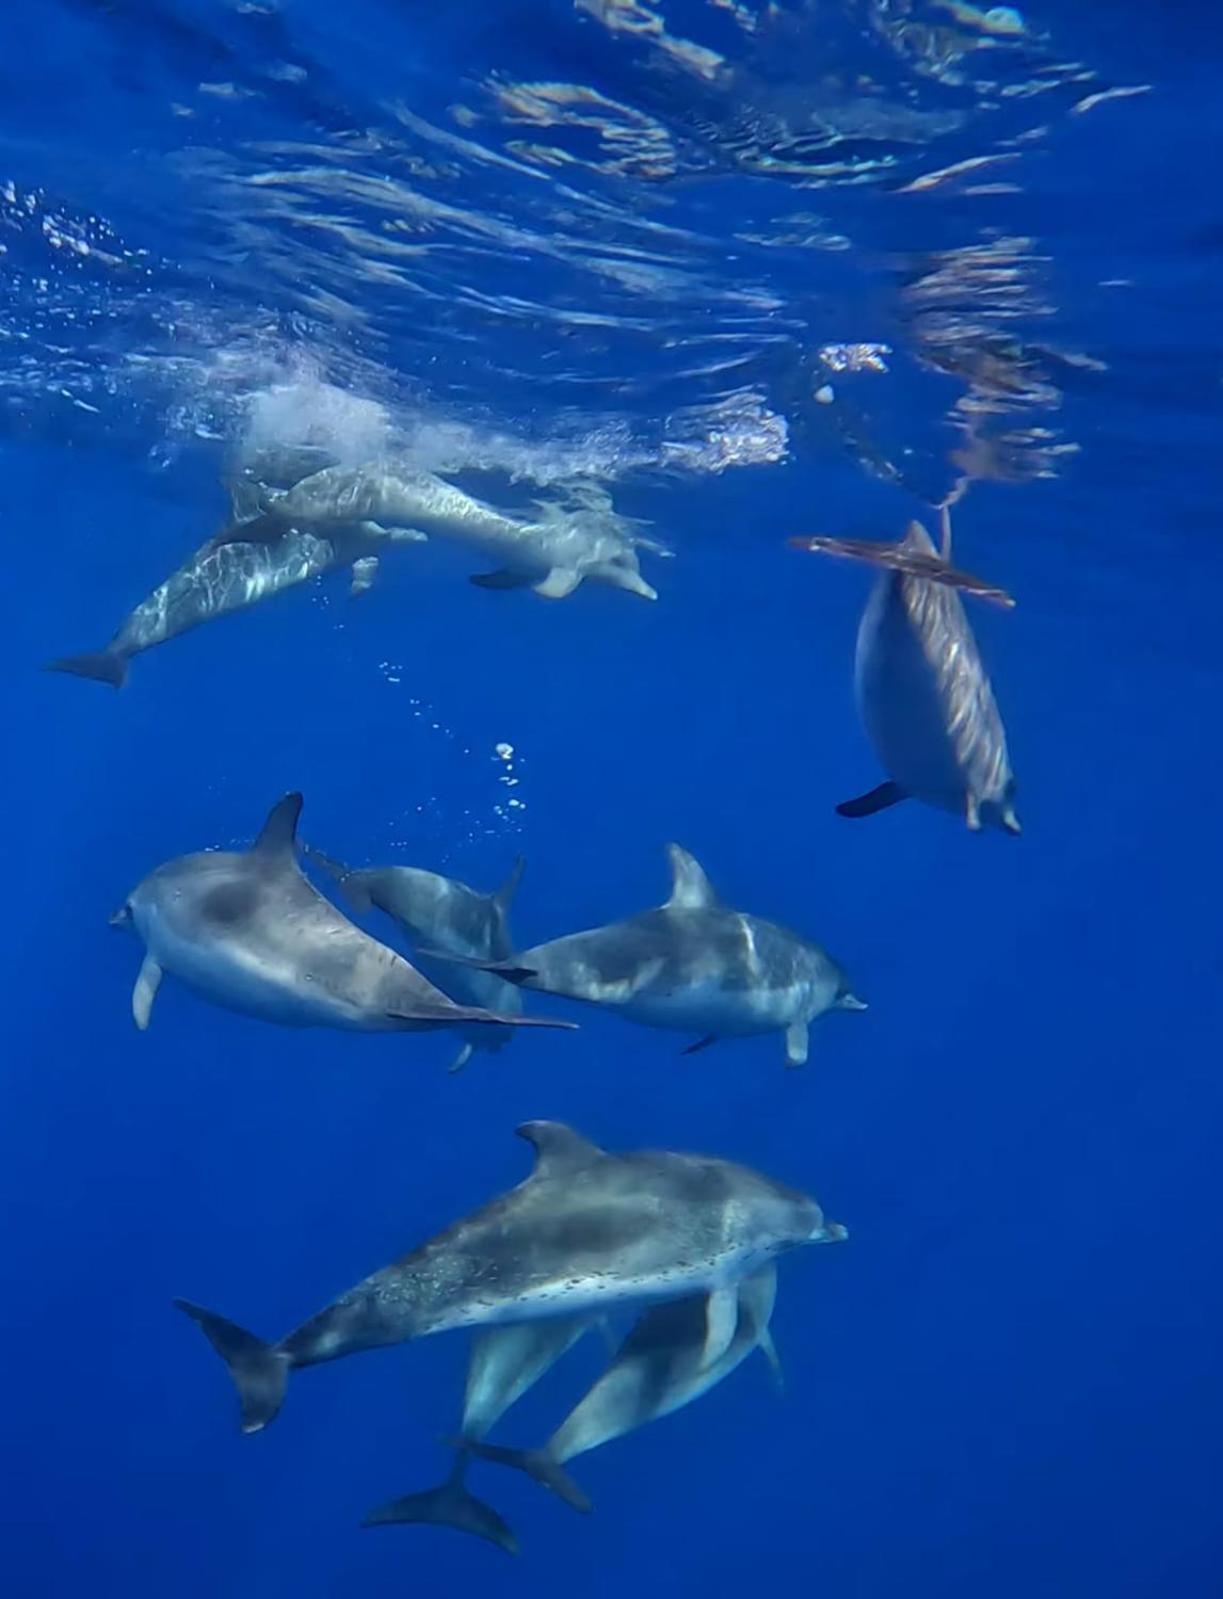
[587, 1231]
[247, 931]
[924, 696]
[443, 913]
[552, 553]
[660, 1368]
[251, 560]
[693, 965]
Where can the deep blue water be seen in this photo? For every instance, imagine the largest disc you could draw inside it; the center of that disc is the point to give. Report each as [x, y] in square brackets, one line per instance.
[1007, 1381]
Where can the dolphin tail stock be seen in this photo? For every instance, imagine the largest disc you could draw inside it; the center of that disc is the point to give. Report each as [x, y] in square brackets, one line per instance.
[879, 799]
[260, 1371]
[351, 885]
[103, 666]
[508, 970]
[538, 1464]
[450, 1504]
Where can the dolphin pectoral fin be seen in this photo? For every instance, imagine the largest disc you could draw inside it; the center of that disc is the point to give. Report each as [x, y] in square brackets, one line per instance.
[461, 1059]
[405, 535]
[145, 992]
[721, 1320]
[278, 835]
[769, 1350]
[701, 1043]
[364, 575]
[501, 579]
[879, 799]
[972, 813]
[559, 583]
[260, 1371]
[796, 1044]
[450, 1505]
[540, 1465]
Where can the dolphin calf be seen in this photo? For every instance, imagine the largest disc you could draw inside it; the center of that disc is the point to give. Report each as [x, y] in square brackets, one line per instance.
[585, 1232]
[249, 561]
[442, 913]
[692, 965]
[249, 932]
[505, 1362]
[924, 697]
[552, 554]
[659, 1368]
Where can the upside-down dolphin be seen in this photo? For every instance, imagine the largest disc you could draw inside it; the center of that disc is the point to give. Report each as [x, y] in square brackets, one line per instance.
[249, 561]
[552, 554]
[585, 1232]
[660, 1368]
[442, 913]
[249, 932]
[923, 693]
[692, 965]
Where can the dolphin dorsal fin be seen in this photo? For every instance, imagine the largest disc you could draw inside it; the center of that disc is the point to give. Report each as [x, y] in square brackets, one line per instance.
[558, 1149]
[278, 834]
[690, 888]
[916, 538]
[509, 888]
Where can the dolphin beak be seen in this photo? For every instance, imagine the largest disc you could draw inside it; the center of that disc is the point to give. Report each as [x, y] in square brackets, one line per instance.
[831, 1232]
[848, 1001]
[122, 917]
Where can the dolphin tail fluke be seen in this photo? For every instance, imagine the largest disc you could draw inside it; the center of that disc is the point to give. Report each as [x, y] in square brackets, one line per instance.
[916, 559]
[450, 1505]
[879, 799]
[260, 1371]
[540, 1465]
[103, 666]
[508, 970]
[455, 1015]
[351, 884]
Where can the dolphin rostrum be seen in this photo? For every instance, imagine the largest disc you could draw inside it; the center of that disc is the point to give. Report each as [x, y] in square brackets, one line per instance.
[659, 1368]
[692, 965]
[252, 559]
[924, 696]
[249, 932]
[586, 1231]
[442, 913]
[551, 554]
[505, 1362]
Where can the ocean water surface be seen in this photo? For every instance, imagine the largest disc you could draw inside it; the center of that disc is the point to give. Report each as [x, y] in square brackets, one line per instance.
[722, 274]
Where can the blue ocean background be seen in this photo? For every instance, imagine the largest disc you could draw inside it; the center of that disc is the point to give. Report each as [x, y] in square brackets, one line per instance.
[1007, 1382]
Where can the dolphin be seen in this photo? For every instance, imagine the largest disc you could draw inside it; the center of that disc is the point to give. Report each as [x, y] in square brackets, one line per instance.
[443, 913]
[250, 560]
[585, 1232]
[692, 965]
[659, 1368]
[249, 932]
[924, 697]
[552, 554]
[505, 1362]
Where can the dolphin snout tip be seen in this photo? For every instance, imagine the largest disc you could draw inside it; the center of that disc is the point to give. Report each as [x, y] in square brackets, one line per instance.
[830, 1232]
[120, 918]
